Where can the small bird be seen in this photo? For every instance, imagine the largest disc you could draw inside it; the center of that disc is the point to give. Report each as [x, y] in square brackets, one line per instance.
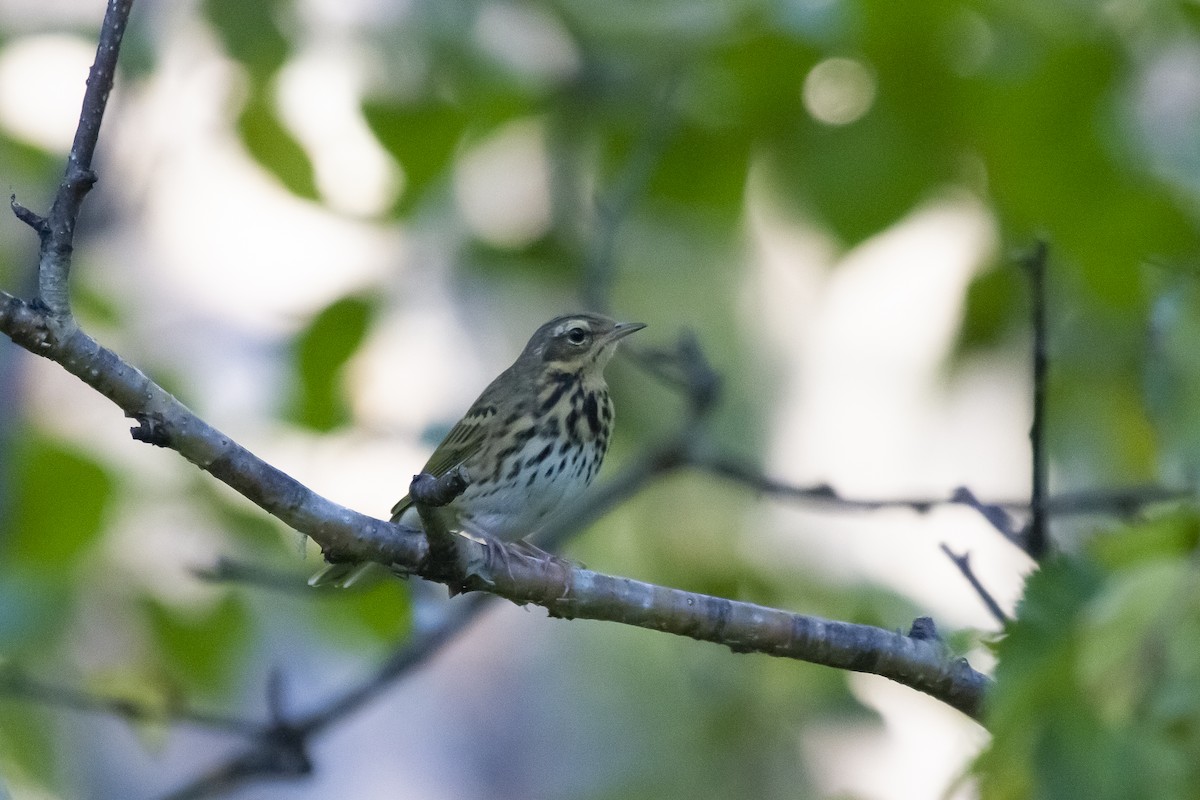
[531, 443]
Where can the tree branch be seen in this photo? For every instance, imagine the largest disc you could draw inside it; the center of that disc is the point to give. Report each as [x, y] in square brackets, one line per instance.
[565, 592]
[165, 422]
[45, 326]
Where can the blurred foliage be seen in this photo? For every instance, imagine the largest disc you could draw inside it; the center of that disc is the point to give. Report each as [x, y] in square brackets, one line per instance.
[1066, 120]
[272, 146]
[199, 648]
[1098, 683]
[46, 531]
[332, 337]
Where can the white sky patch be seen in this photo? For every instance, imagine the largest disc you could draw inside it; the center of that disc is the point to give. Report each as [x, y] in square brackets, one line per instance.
[42, 80]
[527, 40]
[865, 404]
[219, 233]
[319, 94]
[502, 185]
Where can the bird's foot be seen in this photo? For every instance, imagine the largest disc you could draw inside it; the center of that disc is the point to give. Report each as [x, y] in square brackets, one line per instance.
[531, 550]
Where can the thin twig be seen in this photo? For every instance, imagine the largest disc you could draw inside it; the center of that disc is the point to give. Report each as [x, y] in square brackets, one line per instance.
[16, 684]
[58, 240]
[996, 516]
[428, 494]
[963, 562]
[1036, 540]
[29, 217]
[230, 570]
[1121, 501]
[282, 749]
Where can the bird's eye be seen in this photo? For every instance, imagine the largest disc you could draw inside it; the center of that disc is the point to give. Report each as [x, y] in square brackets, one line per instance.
[577, 336]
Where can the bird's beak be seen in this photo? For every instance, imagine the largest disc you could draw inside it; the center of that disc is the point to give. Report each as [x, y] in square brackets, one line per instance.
[623, 329]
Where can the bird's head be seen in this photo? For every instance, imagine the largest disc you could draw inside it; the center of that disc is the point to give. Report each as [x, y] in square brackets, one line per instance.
[578, 343]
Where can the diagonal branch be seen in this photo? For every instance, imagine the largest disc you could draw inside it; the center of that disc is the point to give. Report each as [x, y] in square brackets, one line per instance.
[46, 327]
[963, 563]
[285, 746]
[565, 592]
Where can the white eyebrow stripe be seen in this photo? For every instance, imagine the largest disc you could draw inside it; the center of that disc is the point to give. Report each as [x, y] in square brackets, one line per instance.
[572, 323]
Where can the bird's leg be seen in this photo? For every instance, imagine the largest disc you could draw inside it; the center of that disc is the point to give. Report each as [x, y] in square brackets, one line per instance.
[530, 550]
[494, 552]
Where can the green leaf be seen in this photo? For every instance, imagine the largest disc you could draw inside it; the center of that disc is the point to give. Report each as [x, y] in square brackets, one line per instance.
[1034, 678]
[1096, 686]
[379, 605]
[320, 352]
[27, 744]
[995, 307]
[858, 178]
[62, 498]
[422, 138]
[251, 34]
[274, 148]
[1072, 188]
[200, 650]
[1173, 535]
[704, 169]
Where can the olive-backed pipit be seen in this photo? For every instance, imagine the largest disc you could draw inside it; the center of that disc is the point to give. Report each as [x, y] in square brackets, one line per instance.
[533, 440]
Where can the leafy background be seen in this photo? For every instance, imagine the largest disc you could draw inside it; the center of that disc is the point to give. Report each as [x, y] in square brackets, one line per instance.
[324, 226]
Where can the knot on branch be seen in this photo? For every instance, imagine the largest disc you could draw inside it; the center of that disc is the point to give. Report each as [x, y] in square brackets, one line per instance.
[81, 179]
[281, 752]
[429, 493]
[285, 751]
[923, 629]
[151, 429]
[426, 490]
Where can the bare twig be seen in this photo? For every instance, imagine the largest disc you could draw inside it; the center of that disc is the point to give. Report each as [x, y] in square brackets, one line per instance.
[963, 562]
[1121, 501]
[564, 591]
[230, 570]
[29, 217]
[428, 494]
[281, 749]
[684, 368]
[996, 516]
[57, 231]
[16, 684]
[1036, 539]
